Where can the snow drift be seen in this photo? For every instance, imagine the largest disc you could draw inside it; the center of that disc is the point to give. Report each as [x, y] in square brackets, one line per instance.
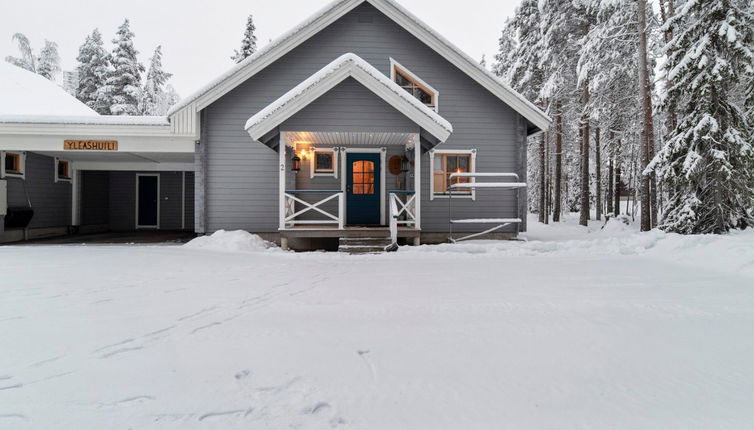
[230, 241]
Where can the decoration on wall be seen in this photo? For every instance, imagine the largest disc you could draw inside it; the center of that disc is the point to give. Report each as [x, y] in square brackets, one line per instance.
[395, 164]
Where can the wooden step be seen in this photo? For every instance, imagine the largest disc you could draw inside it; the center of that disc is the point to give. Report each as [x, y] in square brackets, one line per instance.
[363, 245]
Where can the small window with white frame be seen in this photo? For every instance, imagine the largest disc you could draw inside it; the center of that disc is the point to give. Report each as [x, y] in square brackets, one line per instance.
[443, 163]
[62, 170]
[13, 164]
[414, 85]
[324, 162]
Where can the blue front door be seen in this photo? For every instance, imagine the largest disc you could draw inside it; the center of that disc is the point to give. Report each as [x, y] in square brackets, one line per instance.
[363, 189]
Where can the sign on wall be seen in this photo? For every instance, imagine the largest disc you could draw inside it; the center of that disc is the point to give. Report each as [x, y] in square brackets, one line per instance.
[90, 145]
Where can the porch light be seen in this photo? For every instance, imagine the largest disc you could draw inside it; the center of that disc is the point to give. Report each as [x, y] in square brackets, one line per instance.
[295, 163]
[404, 164]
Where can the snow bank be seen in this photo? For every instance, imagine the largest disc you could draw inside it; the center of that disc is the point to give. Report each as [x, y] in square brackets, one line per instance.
[26, 93]
[731, 253]
[230, 241]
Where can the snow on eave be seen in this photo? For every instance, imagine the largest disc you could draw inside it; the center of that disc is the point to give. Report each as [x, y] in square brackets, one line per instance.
[527, 109]
[352, 62]
[85, 120]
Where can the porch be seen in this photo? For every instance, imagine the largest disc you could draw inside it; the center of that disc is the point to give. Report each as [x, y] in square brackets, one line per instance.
[349, 185]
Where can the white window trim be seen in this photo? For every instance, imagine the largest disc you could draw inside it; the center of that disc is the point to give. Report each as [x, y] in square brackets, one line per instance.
[412, 75]
[159, 202]
[70, 171]
[313, 163]
[471, 152]
[343, 178]
[4, 174]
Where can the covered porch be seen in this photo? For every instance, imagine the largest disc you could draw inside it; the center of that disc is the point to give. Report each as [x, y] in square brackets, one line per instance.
[349, 185]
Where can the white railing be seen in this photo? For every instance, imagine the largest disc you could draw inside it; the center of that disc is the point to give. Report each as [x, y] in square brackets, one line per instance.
[401, 213]
[292, 215]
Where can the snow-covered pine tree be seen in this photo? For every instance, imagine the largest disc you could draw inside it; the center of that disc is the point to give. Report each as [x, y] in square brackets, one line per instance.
[168, 98]
[708, 160]
[123, 87]
[154, 86]
[27, 60]
[48, 64]
[93, 69]
[248, 43]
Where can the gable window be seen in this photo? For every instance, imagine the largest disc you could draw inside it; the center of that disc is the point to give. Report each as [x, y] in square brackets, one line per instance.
[414, 85]
[444, 163]
[13, 164]
[324, 162]
[62, 170]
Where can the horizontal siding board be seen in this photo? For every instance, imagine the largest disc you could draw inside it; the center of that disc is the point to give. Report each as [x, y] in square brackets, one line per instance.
[51, 201]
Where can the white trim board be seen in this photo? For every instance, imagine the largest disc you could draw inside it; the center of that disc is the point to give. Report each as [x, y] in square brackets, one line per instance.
[343, 67]
[187, 109]
[159, 198]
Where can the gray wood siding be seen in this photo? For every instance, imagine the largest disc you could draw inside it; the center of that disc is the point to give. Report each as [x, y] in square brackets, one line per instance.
[95, 200]
[122, 201]
[350, 106]
[242, 179]
[51, 201]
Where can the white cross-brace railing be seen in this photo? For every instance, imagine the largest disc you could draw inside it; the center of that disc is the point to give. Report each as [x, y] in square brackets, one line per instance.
[292, 215]
[500, 223]
[399, 209]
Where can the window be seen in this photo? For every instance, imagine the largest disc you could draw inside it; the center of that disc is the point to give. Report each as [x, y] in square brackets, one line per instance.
[324, 162]
[414, 85]
[13, 164]
[63, 170]
[363, 177]
[445, 163]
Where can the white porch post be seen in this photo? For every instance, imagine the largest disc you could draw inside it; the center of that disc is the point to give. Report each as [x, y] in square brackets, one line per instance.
[281, 151]
[418, 180]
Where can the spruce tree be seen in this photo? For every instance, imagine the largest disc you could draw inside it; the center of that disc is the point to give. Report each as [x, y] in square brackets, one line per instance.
[154, 86]
[248, 43]
[49, 61]
[708, 161]
[93, 68]
[123, 87]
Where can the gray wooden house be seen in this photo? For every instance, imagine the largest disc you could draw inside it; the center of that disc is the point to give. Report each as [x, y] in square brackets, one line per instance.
[354, 121]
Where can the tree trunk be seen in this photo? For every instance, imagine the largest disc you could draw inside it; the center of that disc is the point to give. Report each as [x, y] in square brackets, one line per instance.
[584, 218]
[598, 173]
[542, 189]
[558, 161]
[647, 126]
[609, 196]
[618, 180]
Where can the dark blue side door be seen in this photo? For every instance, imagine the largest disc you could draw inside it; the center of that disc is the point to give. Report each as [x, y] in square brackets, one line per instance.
[363, 189]
[148, 196]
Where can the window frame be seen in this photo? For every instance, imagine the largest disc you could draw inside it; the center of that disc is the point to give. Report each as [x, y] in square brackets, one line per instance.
[396, 68]
[21, 172]
[471, 153]
[69, 170]
[313, 163]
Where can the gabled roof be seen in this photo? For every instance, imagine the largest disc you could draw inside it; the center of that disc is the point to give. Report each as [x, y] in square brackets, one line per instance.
[329, 14]
[24, 93]
[345, 66]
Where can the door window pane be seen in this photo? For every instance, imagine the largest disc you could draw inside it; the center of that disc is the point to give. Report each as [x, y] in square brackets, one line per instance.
[363, 177]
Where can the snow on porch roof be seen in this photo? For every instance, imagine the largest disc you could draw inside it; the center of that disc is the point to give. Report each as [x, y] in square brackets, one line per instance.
[345, 66]
[329, 14]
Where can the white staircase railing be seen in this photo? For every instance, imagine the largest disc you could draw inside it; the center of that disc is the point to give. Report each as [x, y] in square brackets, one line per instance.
[292, 215]
[401, 213]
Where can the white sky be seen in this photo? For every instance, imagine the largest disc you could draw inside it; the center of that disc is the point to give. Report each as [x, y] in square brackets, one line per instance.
[199, 36]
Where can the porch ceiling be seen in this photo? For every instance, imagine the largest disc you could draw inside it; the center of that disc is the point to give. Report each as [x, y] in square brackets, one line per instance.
[330, 138]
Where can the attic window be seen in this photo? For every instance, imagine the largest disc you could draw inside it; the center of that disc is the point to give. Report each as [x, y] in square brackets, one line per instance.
[414, 85]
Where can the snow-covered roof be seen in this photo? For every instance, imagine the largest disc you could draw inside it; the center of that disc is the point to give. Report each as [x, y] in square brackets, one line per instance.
[85, 120]
[330, 13]
[26, 93]
[347, 65]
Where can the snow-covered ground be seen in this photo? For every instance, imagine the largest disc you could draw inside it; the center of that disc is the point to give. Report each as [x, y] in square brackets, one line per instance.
[576, 328]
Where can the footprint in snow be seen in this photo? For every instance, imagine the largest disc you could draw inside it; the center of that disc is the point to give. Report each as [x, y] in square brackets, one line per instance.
[242, 374]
